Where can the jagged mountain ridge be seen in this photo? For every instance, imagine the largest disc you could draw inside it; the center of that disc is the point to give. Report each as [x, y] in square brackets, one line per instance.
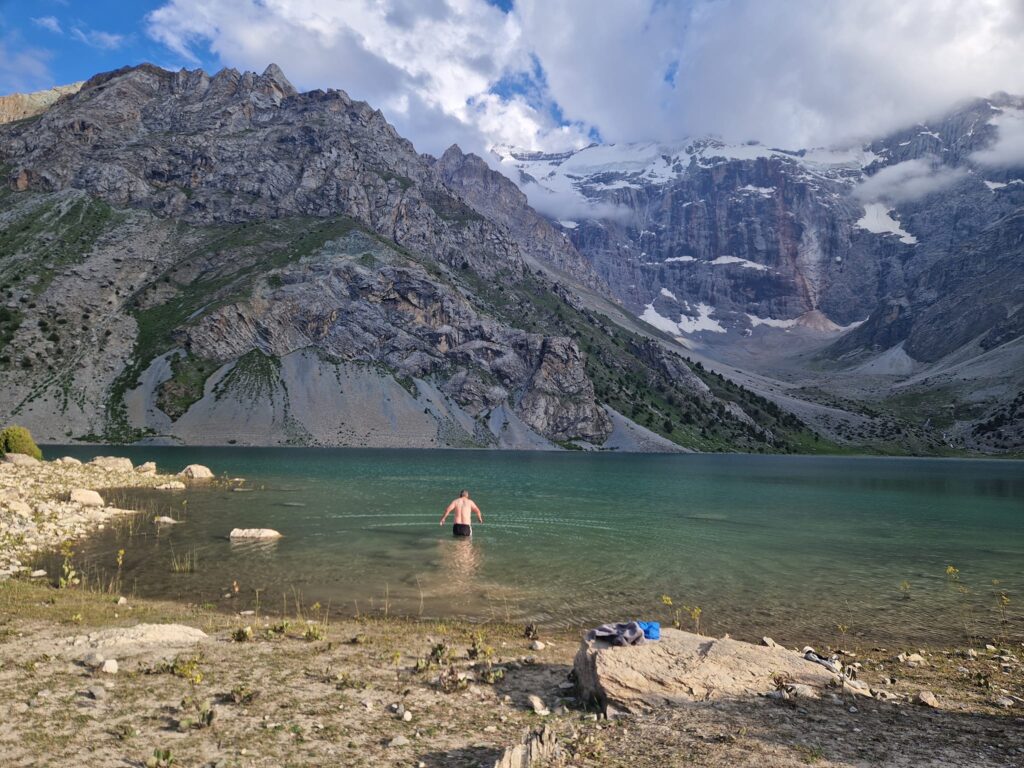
[762, 236]
[239, 262]
[715, 243]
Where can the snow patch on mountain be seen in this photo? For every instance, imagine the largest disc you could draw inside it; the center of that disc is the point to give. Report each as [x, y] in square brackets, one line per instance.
[686, 323]
[877, 219]
[745, 263]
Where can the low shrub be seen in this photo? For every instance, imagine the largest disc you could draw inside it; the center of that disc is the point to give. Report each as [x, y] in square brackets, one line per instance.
[15, 439]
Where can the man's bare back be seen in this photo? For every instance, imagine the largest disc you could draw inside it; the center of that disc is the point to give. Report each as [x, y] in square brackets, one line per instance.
[464, 508]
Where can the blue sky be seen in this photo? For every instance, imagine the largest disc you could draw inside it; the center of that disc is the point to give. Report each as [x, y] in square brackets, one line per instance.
[78, 38]
[555, 74]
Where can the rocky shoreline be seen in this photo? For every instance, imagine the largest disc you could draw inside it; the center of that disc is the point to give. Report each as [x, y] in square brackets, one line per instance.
[45, 503]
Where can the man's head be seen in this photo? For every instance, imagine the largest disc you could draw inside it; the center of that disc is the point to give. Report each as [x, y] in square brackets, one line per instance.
[464, 494]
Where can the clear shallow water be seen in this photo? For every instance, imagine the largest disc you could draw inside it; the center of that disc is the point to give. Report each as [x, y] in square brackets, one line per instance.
[788, 546]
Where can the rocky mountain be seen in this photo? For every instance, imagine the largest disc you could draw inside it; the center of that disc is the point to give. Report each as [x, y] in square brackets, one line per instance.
[20, 106]
[221, 259]
[895, 270]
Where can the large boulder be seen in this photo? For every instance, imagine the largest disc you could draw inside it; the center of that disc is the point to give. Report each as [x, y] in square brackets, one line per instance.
[21, 459]
[196, 472]
[86, 498]
[116, 463]
[683, 667]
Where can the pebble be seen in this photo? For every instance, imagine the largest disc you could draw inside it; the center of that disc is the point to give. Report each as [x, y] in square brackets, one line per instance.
[97, 692]
[990, 648]
[1005, 702]
[37, 574]
[927, 698]
[538, 704]
[109, 667]
[93, 660]
[491, 729]
[398, 741]
[122, 601]
[537, 645]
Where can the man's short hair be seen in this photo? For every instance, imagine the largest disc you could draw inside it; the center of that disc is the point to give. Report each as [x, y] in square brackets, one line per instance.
[463, 493]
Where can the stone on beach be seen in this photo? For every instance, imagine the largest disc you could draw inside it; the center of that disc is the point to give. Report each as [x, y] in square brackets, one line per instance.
[165, 520]
[21, 460]
[927, 698]
[149, 468]
[159, 639]
[173, 485]
[116, 463]
[86, 498]
[683, 667]
[254, 533]
[196, 472]
[69, 461]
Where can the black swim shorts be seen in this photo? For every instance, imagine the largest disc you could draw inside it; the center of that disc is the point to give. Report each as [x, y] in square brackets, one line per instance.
[462, 530]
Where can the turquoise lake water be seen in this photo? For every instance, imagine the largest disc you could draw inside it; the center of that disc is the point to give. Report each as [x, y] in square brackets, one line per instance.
[838, 550]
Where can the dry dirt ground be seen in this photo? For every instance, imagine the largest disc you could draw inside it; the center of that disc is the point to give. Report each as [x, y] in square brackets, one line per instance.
[335, 695]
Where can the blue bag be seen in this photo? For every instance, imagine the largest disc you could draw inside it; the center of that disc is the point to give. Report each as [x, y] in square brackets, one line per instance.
[652, 629]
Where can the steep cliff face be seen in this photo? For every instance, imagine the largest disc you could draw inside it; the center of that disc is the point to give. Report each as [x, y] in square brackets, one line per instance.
[895, 268]
[223, 259]
[706, 239]
[494, 196]
[21, 106]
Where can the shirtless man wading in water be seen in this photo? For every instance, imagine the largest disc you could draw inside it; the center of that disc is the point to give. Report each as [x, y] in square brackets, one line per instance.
[463, 507]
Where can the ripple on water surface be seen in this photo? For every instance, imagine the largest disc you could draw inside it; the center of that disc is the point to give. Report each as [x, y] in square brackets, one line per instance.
[796, 547]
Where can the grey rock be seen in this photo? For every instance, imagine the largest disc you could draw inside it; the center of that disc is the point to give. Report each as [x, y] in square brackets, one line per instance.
[927, 698]
[399, 741]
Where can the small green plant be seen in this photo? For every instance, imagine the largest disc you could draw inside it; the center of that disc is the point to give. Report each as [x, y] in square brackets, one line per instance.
[451, 680]
[315, 631]
[15, 439]
[1002, 600]
[905, 589]
[187, 668]
[695, 614]
[198, 713]
[242, 634]
[440, 654]
[186, 563]
[492, 675]
[242, 694]
[161, 758]
[952, 573]
[69, 576]
[280, 629]
[478, 649]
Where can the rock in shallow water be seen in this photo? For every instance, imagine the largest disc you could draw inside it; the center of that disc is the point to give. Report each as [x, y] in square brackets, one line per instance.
[196, 472]
[254, 533]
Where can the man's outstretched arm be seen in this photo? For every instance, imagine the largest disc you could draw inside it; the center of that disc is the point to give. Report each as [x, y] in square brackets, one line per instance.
[447, 512]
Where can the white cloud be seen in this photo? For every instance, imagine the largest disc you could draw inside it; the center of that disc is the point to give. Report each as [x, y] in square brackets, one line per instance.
[96, 38]
[23, 69]
[49, 22]
[1008, 149]
[428, 65]
[789, 74]
[908, 181]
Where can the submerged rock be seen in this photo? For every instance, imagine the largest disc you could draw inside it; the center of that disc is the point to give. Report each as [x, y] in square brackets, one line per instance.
[254, 533]
[173, 485]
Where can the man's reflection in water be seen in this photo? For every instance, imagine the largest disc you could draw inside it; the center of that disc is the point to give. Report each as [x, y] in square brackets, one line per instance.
[460, 561]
